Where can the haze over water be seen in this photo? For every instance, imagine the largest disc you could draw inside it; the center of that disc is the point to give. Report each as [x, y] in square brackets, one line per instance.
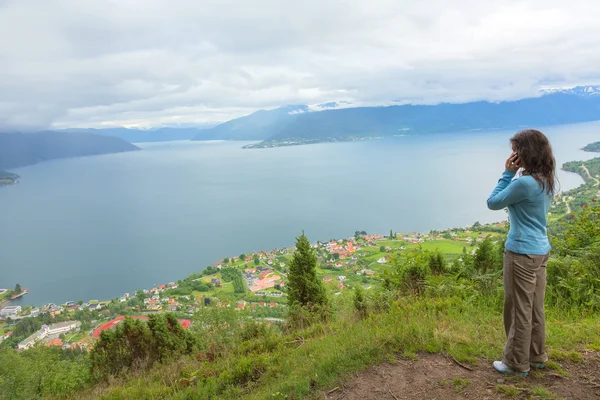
[97, 227]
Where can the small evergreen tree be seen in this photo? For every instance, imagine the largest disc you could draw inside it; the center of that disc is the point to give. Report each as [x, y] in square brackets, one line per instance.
[437, 264]
[392, 236]
[304, 289]
[360, 304]
[485, 257]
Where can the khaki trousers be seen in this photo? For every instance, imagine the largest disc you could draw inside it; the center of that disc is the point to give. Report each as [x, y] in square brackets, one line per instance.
[524, 321]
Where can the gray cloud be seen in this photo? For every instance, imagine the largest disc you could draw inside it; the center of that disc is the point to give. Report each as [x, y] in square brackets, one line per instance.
[141, 63]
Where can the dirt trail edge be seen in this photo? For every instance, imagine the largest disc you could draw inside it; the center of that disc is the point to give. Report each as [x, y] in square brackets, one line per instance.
[434, 376]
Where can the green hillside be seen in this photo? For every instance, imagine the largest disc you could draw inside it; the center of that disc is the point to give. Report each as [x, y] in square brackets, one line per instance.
[593, 147]
[21, 149]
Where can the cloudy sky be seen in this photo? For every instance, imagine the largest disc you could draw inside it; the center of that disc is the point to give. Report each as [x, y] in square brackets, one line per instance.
[149, 63]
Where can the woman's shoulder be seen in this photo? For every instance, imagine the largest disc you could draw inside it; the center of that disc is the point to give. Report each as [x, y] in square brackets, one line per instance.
[528, 182]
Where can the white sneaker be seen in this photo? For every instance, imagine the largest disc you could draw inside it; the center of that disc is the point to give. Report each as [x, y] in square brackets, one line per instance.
[505, 369]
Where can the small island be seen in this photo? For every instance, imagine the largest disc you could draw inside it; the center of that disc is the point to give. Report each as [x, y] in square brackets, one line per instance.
[299, 141]
[593, 147]
[7, 178]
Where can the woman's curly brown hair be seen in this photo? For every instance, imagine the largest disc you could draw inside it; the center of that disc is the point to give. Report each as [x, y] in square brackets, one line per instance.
[535, 156]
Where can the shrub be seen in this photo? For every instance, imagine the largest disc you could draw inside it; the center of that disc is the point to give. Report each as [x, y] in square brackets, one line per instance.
[407, 272]
[135, 344]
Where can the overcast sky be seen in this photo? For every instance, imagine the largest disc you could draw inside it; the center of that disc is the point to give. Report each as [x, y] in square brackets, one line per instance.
[148, 63]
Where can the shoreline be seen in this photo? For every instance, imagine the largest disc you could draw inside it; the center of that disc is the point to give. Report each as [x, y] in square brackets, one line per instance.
[398, 233]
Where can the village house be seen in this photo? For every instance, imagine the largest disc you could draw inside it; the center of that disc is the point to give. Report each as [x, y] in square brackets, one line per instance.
[48, 330]
[55, 311]
[10, 311]
[5, 336]
[56, 342]
[172, 307]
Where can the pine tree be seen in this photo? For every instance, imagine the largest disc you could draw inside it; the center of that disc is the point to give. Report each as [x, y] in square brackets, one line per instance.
[485, 256]
[441, 262]
[437, 264]
[304, 288]
[360, 305]
[392, 236]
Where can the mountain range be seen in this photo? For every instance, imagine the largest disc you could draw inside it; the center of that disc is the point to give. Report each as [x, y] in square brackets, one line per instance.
[298, 124]
[327, 122]
[143, 135]
[21, 149]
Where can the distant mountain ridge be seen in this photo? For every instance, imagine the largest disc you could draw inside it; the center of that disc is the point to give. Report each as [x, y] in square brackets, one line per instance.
[143, 135]
[256, 126]
[298, 125]
[590, 90]
[21, 149]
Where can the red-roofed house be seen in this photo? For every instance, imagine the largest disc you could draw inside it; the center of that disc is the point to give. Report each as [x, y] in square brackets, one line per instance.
[272, 304]
[55, 342]
[265, 274]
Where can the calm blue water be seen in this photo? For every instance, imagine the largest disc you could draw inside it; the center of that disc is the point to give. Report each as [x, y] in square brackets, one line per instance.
[96, 227]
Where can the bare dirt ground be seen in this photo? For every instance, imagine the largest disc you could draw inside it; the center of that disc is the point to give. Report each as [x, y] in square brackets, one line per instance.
[434, 376]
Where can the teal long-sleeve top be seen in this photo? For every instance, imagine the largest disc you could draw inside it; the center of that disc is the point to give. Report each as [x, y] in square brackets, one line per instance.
[528, 205]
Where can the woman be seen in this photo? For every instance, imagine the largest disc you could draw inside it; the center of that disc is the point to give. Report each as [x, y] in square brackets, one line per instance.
[528, 198]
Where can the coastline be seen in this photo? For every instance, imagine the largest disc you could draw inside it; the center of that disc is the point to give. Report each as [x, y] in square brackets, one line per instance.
[555, 215]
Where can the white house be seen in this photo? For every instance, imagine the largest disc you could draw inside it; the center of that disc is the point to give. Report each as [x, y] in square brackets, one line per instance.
[48, 330]
[31, 340]
[381, 260]
[62, 327]
[10, 311]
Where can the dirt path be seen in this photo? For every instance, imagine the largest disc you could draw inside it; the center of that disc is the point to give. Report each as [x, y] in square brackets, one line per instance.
[433, 376]
[587, 171]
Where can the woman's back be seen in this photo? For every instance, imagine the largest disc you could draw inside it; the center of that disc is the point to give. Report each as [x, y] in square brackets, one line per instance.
[528, 219]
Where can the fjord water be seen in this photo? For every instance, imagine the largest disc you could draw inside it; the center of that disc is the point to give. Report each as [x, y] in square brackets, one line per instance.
[97, 227]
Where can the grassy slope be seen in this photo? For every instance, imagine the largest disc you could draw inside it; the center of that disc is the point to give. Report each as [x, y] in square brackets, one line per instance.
[329, 352]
